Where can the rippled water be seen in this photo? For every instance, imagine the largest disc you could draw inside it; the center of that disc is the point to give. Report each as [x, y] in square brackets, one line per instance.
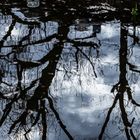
[65, 76]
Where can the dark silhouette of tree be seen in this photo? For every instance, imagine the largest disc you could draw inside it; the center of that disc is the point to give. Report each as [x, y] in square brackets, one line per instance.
[121, 88]
[29, 102]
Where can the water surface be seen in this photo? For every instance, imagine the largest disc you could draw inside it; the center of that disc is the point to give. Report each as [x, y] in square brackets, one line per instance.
[68, 77]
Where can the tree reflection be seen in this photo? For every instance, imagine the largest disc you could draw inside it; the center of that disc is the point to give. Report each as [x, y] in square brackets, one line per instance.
[34, 108]
[121, 88]
[26, 106]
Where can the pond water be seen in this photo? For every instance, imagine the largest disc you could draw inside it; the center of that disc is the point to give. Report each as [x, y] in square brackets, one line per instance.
[68, 77]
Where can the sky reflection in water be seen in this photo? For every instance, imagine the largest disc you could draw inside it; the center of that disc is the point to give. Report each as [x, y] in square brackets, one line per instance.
[81, 99]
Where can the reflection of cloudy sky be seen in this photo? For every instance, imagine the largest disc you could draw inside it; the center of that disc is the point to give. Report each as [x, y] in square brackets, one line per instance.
[5, 25]
[80, 34]
[81, 99]
[29, 52]
[19, 31]
[109, 30]
[84, 101]
[81, 106]
[134, 56]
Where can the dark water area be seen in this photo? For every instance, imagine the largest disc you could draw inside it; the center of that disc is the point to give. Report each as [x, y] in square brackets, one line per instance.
[69, 71]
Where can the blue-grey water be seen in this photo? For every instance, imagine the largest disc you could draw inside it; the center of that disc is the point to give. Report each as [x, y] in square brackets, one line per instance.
[64, 77]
